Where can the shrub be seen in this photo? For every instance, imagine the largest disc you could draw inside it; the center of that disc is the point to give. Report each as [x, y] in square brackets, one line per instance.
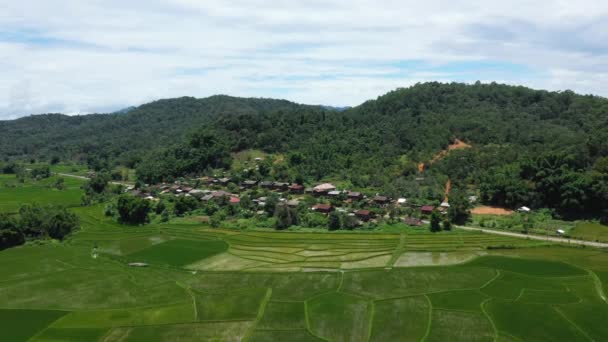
[132, 210]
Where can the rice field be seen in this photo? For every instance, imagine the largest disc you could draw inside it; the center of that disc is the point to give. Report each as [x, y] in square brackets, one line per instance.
[228, 285]
[14, 194]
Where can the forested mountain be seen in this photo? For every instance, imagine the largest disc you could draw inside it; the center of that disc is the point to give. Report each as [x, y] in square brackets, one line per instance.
[122, 136]
[530, 147]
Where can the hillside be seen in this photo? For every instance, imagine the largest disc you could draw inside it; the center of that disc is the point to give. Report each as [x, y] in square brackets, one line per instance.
[122, 135]
[530, 147]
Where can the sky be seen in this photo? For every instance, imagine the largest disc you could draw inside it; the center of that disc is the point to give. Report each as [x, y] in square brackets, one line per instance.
[78, 57]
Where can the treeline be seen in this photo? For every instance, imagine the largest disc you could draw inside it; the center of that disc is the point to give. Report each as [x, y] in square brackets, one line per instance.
[36, 222]
[531, 147]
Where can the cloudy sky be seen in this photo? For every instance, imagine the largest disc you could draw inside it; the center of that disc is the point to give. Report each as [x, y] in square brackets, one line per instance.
[82, 56]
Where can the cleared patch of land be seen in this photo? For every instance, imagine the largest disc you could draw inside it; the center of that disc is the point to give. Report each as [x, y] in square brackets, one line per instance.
[488, 210]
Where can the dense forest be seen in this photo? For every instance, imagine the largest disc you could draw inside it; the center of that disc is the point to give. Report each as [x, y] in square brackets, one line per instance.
[530, 147]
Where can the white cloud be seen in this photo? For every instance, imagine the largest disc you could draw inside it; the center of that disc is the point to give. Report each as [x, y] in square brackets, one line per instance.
[86, 56]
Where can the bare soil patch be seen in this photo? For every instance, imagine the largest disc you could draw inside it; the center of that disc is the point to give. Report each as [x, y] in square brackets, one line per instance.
[488, 210]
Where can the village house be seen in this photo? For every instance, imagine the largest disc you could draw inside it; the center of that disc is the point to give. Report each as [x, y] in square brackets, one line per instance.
[292, 203]
[296, 188]
[280, 186]
[266, 184]
[234, 200]
[323, 189]
[413, 221]
[248, 184]
[355, 196]
[381, 200]
[223, 181]
[334, 193]
[196, 193]
[220, 194]
[323, 208]
[427, 209]
[363, 214]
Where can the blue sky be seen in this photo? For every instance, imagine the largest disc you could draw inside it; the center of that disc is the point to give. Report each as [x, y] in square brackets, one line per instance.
[79, 57]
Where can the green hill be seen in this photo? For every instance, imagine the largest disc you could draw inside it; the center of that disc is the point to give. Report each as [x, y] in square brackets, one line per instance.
[530, 147]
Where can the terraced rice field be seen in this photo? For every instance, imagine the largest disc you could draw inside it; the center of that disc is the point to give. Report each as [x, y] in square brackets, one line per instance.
[205, 284]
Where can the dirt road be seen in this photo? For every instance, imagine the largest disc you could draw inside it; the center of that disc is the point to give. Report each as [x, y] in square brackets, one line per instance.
[87, 178]
[538, 237]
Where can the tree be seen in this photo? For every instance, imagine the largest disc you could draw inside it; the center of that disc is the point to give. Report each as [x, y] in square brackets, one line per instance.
[59, 184]
[31, 220]
[435, 221]
[132, 209]
[285, 217]
[97, 184]
[271, 204]
[10, 235]
[447, 225]
[61, 223]
[41, 171]
[459, 210]
[160, 207]
[184, 204]
[351, 222]
[333, 221]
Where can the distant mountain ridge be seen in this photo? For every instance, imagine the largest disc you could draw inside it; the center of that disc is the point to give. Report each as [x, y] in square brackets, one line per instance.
[404, 118]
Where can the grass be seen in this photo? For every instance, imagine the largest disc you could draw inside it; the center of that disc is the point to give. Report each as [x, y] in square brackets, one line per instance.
[211, 331]
[20, 325]
[530, 267]
[166, 314]
[300, 286]
[283, 315]
[459, 326]
[590, 231]
[532, 322]
[234, 305]
[404, 319]
[464, 300]
[14, 194]
[70, 334]
[283, 335]
[339, 317]
[178, 252]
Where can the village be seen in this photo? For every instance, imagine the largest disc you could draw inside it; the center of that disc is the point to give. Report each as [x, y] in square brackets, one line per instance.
[323, 198]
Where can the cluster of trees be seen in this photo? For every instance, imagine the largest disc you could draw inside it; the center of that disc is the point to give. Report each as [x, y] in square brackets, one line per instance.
[539, 148]
[36, 222]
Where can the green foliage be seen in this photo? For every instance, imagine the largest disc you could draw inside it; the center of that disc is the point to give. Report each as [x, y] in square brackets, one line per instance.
[447, 225]
[132, 209]
[334, 221]
[530, 147]
[178, 252]
[202, 150]
[60, 223]
[21, 325]
[10, 234]
[40, 171]
[37, 221]
[459, 210]
[184, 204]
[285, 217]
[435, 219]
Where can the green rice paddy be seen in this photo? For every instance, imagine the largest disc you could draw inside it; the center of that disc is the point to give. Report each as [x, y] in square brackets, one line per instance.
[14, 194]
[227, 285]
